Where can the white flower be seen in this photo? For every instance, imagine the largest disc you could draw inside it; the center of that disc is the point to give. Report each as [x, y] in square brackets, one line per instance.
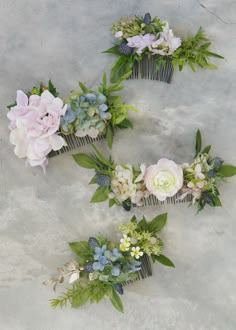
[124, 187]
[136, 253]
[141, 175]
[92, 132]
[125, 243]
[164, 179]
[118, 34]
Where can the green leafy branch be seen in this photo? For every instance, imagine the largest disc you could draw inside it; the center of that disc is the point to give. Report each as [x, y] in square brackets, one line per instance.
[153, 227]
[194, 51]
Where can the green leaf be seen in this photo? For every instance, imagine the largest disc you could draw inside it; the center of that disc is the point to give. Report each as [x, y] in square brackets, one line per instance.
[120, 68]
[100, 195]
[85, 161]
[143, 224]
[80, 298]
[83, 87]
[11, 106]
[126, 123]
[217, 201]
[227, 170]
[214, 55]
[198, 146]
[164, 260]
[109, 136]
[82, 251]
[113, 50]
[112, 202]
[52, 89]
[206, 150]
[157, 223]
[93, 180]
[115, 300]
[104, 80]
[101, 158]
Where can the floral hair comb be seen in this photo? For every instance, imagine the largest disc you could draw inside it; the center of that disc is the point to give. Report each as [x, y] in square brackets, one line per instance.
[164, 182]
[43, 125]
[147, 48]
[102, 267]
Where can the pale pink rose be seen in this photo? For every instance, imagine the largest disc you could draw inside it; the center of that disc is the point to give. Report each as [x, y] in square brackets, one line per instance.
[34, 125]
[164, 179]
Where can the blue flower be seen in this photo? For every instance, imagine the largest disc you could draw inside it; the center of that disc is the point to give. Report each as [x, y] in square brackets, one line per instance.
[113, 255]
[99, 252]
[102, 110]
[100, 264]
[81, 98]
[115, 271]
[101, 98]
[134, 266]
[69, 116]
[90, 97]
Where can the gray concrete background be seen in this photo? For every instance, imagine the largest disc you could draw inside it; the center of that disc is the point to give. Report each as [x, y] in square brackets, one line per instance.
[61, 40]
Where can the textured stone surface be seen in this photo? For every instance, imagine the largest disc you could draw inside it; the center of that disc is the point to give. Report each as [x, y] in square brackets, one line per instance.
[62, 40]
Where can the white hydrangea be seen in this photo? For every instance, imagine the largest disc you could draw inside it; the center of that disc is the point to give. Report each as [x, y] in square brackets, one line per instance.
[124, 185]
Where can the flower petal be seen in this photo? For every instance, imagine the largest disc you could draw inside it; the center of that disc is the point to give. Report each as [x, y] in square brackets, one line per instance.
[21, 99]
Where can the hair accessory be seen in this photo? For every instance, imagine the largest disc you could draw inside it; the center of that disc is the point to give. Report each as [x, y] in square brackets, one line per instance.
[163, 182]
[147, 48]
[102, 267]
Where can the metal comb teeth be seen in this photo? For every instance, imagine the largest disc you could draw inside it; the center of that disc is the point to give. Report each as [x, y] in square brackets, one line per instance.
[152, 200]
[144, 272]
[146, 69]
[74, 142]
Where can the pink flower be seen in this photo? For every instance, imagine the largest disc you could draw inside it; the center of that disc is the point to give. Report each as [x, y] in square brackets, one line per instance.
[141, 42]
[167, 43]
[164, 179]
[34, 125]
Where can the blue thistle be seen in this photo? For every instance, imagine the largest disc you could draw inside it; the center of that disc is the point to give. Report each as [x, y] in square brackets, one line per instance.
[147, 19]
[119, 288]
[88, 268]
[93, 242]
[207, 198]
[125, 49]
[103, 180]
[211, 174]
[217, 162]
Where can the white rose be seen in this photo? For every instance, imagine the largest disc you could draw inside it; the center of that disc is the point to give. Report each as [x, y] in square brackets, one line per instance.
[164, 179]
